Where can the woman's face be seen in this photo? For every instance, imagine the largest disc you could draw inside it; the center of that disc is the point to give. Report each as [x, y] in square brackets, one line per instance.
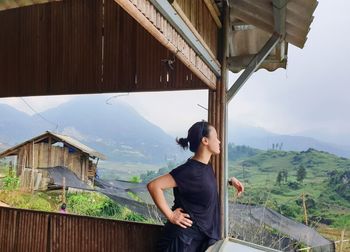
[213, 141]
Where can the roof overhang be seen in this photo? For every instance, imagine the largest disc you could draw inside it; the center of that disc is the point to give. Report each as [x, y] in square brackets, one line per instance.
[259, 33]
[252, 23]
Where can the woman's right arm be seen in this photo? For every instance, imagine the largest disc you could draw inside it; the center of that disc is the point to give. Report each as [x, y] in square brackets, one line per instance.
[156, 188]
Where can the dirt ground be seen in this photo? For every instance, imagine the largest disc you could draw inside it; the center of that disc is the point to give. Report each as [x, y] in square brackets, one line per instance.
[3, 204]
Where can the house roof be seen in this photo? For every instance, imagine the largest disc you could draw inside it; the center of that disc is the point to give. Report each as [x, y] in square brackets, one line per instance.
[56, 138]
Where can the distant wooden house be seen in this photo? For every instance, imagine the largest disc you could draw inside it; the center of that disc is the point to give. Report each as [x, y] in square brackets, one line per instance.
[37, 155]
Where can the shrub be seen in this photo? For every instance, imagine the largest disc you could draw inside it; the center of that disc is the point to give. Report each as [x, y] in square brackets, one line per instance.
[11, 182]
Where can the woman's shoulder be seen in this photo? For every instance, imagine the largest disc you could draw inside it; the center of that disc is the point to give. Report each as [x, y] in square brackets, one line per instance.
[181, 168]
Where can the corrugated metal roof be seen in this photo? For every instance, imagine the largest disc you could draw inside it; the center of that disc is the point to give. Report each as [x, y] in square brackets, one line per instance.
[75, 143]
[253, 23]
[11, 4]
[65, 139]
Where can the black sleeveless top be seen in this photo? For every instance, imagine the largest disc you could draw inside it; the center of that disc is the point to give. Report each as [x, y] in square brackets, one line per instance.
[197, 194]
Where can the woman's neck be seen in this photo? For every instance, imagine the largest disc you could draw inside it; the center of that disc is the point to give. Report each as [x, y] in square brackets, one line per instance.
[202, 156]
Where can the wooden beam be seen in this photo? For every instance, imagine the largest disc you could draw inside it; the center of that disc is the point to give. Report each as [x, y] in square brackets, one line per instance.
[167, 10]
[253, 65]
[213, 12]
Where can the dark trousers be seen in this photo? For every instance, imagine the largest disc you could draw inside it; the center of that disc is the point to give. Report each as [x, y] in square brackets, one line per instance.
[177, 239]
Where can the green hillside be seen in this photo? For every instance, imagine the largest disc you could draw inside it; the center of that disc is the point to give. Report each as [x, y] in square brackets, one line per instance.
[271, 178]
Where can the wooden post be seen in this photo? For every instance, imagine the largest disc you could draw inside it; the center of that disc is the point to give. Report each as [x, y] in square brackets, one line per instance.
[64, 190]
[342, 240]
[305, 210]
[32, 179]
[10, 169]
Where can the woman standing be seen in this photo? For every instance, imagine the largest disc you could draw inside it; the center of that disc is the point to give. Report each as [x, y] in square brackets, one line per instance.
[194, 220]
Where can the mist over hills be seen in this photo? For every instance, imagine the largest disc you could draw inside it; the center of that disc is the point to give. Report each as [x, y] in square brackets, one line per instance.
[123, 135]
[117, 130]
[261, 139]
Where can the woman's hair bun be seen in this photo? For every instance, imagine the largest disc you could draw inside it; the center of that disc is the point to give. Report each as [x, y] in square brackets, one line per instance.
[183, 142]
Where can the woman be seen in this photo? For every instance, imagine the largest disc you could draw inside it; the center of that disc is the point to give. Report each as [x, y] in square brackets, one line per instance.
[194, 220]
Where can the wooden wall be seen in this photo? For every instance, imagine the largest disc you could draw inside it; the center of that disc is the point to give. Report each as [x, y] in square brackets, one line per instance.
[71, 47]
[46, 155]
[199, 15]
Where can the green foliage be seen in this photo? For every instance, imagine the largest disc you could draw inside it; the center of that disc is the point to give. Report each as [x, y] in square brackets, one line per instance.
[150, 175]
[10, 182]
[294, 185]
[341, 182]
[98, 205]
[291, 210]
[25, 200]
[135, 179]
[236, 152]
[279, 178]
[342, 221]
[328, 191]
[134, 196]
[92, 204]
[132, 216]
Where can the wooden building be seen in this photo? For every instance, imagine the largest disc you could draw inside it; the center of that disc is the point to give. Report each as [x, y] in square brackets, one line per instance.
[35, 156]
[101, 46]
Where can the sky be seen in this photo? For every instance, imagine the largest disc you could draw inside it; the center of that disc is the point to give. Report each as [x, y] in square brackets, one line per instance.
[310, 98]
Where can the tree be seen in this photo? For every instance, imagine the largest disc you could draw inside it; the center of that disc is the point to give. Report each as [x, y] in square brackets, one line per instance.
[279, 178]
[301, 173]
[285, 176]
[281, 144]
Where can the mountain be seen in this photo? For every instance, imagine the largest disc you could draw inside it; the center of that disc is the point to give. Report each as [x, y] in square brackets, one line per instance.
[262, 139]
[271, 178]
[122, 134]
[16, 126]
[117, 130]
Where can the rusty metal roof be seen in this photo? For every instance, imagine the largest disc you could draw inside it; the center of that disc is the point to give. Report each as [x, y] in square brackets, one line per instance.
[11, 4]
[58, 137]
[252, 24]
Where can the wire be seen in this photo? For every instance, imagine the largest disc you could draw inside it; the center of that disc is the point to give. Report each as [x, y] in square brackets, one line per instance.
[37, 113]
[202, 107]
[107, 101]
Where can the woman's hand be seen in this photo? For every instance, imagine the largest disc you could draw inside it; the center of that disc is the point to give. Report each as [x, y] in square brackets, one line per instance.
[237, 184]
[180, 218]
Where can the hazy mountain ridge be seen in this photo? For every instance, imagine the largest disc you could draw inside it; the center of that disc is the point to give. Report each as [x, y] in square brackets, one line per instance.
[261, 139]
[116, 130]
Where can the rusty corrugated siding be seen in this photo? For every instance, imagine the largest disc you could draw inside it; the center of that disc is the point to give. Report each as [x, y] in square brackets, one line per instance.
[25, 230]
